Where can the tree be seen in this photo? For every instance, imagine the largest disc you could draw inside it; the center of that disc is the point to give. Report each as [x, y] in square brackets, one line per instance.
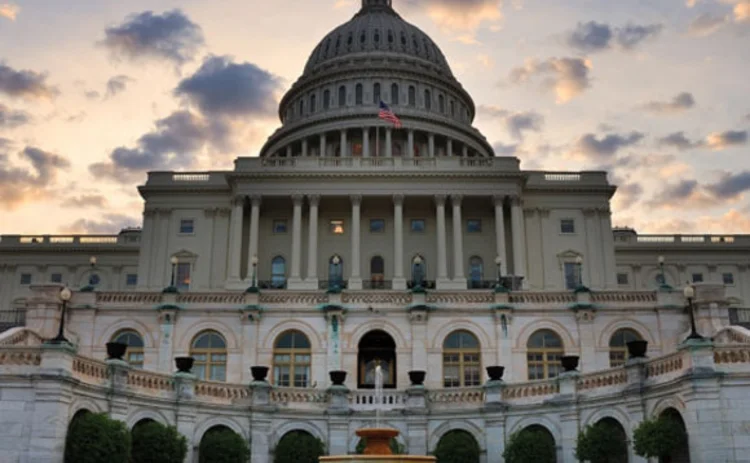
[223, 446]
[659, 438]
[155, 443]
[530, 446]
[298, 447]
[602, 443]
[93, 438]
[457, 447]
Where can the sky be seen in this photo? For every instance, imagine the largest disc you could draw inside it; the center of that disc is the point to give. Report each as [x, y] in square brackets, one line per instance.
[96, 93]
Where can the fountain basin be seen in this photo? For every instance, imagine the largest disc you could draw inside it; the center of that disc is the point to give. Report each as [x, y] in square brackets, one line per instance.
[378, 449]
[377, 459]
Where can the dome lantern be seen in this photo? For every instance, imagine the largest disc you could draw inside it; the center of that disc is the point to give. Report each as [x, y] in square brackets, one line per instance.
[369, 3]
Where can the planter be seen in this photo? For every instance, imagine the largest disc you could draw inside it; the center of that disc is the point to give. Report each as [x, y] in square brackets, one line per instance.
[570, 362]
[637, 349]
[495, 373]
[259, 373]
[184, 364]
[417, 377]
[116, 350]
[337, 377]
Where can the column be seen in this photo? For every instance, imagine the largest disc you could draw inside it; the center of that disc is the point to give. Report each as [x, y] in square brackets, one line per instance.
[235, 239]
[500, 230]
[344, 150]
[608, 249]
[147, 242]
[450, 148]
[442, 245]
[312, 244]
[255, 201]
[304, 147]
[398, 242]
[366, 142]
[296, 238]
[519, 238]
[355, 281]
[388, 143]
[458, 239]
[410, 145]
[289, 151]
[431, 144]
[322, 145]
[592, 276]
[465, 151]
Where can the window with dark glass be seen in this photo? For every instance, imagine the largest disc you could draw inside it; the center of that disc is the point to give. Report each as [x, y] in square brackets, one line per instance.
[56, 278]
[335, 269]
[312, 103]
[377, 225]
[544, 355]
[394, 94]
[474, 226]
[727, 278]
[134, 352]
[376, 93]
[567, 226]
[418, 226]
[209, 349]
[427, 100]
[461, 360]
[476, 271]
[441, 104]
[279, 226]
[618, 346]
[358, 94]
[292, 359]
[342, 96]
[571, 275]
[278, 272]
[301, 107]
[412, 96]
[131, 279]
[453, 108]
[697, 278]
[187, 226]
[622, 279]
[377, 270]
[25, 278]
[418, 269]
[326, 99]
[182, 276]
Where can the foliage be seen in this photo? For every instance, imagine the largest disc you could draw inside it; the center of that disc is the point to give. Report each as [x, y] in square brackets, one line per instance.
[298, 447]
[93, 438]
[658, 438]
[602, 443]
[457, 447]
[223, 446]
[155, 443]
[396, 447]
[530, 446]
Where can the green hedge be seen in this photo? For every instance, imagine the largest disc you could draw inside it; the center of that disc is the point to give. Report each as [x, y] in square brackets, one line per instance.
[530, 446]
[659, 438]
[223, 446]
[95, 438]
[298, 447]
[155, 443]
[457, 447]
[602, 443]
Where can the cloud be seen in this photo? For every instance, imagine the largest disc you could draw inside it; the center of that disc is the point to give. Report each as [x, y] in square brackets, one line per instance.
[171, 36]
[84, 201]
[223, 88]
[504, 150]
[742, 11]
[592, 36]
[568, 77]
[627, 195]
[706, 24]
[516, 122]
[730, 185]
[19, 184]
[117, 84]
[680, 141]
[459, 16]
[597, 149]
[108, 225]
[92, 94]
[718, 141]
[11, 118]
[25, 84]
[681, 102]
[9, 11]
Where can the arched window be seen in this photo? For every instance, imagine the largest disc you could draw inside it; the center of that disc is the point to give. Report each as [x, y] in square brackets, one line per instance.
[278, 273]
[418, 272]
[335, 270]
[377, 272]
[618, 346]
[427, 100]
[461, 360]
[376, 93]
[301, 107]
[358, 94]
[312, 103]
[544, 354]
[441, 104]
[210, 353]
[342, 96]
[394, 94]
[326, 99]
[453, 108]
[476, 272]
[134, 354]
[412, 96]
[291, 360]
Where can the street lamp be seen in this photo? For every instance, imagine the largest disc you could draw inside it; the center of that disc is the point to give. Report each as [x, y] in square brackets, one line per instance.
[174, 260]
[499, 267]
[689, 293]
[254, 261]
[663, 284]
[579, 264]
[65, 296]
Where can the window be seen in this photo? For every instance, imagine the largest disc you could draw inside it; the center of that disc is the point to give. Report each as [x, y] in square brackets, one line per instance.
[453, 108]
[697, 278]
[618, 346]
[278, 273]
[358, 96]
[182, 277]
[336, 227]
[377, 225]
[291, 360]
[544, 354]
[412, 96]
[94, 279]
[474, 226]
[131, 279]
[394, 94]
[377, 272]
[335, 269]
[427, 100]
[622, 279]
[728, 278]
[312, 103]
[301, 107]
[55, 278]
[659, 278]
[476, 271]
[210, 353]
[326, 99]
[134, 353]
[376, 93]
[461, 360]
[187, 226]
[279, 226]
[25, 278]
[572, 277]
[342, 96]
[567, 226]
[441, 104]
[418, 226]
[418, 270]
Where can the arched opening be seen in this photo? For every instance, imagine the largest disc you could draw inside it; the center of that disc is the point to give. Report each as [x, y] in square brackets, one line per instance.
[427, 100]
[335, 271]
[682, 453]
[142, 423]
[209, 349]
[412, 96]
[476, 272]
[342, 96]
[458, 445]
[133, 340]
[278, 273]
[618, 346]
[615, 428]
[461, 360]
[376, 348]
[223, 441]
[535, 441]
[292, 359]
[544, 355]
[358, 94]
[326, 99]
[298, 446]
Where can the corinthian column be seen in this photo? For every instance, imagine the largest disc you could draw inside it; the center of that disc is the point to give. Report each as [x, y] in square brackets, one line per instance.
[519, 238]
[442, 245]
[312, 244]
[254, 229]
[399, 282]
[458, 240]
[296, 239]
[355, 281]
[235, 240]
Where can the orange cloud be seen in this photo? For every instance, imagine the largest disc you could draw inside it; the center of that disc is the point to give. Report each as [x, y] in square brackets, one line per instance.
[9, 11]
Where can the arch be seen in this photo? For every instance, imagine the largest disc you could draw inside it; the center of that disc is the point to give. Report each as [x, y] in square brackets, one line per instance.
[542, 421]
[335, 269]
[297, 425]
[682, 453]
[326, 99]
[412, 96]
[209, 349]
[626, 323]
[128, 324]
[449, 327]
[658, 407]
[427, 100]
[82, 404]
[292, 359]
[313, 102]
[457, 425]
[418, 269]
[342, 96]
[462, 360]
[207, 325]
[311, 333]
[145, 414]
[527, 331]
[614, 413]
[377, 349]
[373, 325]
[213, 422]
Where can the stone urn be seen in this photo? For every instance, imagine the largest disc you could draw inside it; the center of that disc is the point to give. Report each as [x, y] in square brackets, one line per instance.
[570, 362]
[417, 377]
[259, 373]
[184, 364]
[116, 350]
[495, 373]
[637, 349]
[338, 377]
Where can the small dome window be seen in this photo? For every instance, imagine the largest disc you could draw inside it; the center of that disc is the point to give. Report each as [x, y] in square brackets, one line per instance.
[403, 40]
[377, 37]
[338, 43]
[363, 38]
[350, 40]
[416, 43]
[427, 49]
[390, 36]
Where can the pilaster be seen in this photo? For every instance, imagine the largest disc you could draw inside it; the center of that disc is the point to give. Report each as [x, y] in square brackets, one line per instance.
[399, 282]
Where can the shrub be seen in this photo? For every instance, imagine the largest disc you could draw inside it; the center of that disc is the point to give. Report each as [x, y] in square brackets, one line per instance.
[658, 438]
[93, 438]
[223, 446]
[530, 446]
[155, 443]
[298, 447]
[457, 447]
[602, 443]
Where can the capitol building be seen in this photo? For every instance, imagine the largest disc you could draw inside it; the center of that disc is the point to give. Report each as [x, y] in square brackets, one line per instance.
[351, 242]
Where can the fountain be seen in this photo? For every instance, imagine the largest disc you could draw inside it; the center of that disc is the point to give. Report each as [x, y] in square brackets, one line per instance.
[378, 448]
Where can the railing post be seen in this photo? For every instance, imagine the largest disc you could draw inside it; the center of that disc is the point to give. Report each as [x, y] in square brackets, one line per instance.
[338, 420]
[117, 379]
[701, 354]
[416, 420]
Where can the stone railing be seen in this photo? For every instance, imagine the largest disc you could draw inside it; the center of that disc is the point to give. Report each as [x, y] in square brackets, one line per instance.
[366, 400]
[671, 363]
[624, 296]
[87, 369]
[295, 397]
[535, 390]
[602, 379]
[20, 356]
[558, 297]
[150, 381]
[467, 395]
[221, 392]
[128, 298]
[731, 355]
[376, 297]
[211, 298]
[464, 297]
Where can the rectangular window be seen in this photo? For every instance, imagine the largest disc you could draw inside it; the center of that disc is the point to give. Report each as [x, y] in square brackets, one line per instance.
[377, 225]
[183, 276]
[622, 279]
[474, 226]
[56, 278]
[279, 226]
[25, 278]
[728, 278]
[131, 279]
[567, 226]
[571, 275]
[187, 226]
[418, 226]
[697, 278]
[336, 227]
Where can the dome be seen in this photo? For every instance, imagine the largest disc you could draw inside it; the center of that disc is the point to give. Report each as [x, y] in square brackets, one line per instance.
[377, 28]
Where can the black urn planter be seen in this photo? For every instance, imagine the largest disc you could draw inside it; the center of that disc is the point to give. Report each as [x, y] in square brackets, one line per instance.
[570, 362]
[259, 373]
[184, 364]
[116, 350]
[417, 377]
[495, 373]
[637, 349]
[337, 377]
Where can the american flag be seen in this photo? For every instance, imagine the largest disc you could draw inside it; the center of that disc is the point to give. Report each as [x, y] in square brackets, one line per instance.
[387, 115]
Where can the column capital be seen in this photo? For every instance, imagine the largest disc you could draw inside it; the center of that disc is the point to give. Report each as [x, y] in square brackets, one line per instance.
[498, 200]
[440, 200]
[314, 200]
[589, 212]
[298, 198]
[238, 200]
[456, 200]
[515, 201]
[148, 213]
[210, 212]
[256, 200]
[356, 199]
[398, 199]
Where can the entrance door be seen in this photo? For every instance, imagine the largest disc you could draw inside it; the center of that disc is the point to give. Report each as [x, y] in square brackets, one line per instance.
[376, 348]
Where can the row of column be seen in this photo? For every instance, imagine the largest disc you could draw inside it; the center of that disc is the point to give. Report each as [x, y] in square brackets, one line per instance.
[355, 280]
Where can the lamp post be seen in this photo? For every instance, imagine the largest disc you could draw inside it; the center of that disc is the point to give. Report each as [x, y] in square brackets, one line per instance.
[418, 277]
[65, 296]
[254, 261]
[499, 288]
[579, 264]
[174, 260]
[689, 293]
[663, 284]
